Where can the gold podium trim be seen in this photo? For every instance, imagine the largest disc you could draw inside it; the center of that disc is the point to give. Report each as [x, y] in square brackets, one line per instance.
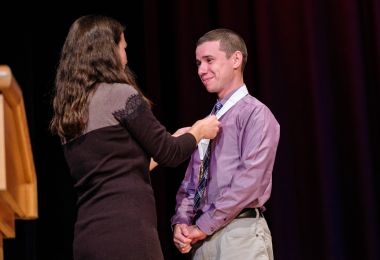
[18, 184]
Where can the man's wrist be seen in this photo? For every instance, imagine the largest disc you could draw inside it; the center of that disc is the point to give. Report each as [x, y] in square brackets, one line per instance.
[173, 226]
[200, 230]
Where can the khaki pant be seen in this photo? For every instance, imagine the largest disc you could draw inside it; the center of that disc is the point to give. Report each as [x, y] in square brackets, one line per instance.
[242, 239]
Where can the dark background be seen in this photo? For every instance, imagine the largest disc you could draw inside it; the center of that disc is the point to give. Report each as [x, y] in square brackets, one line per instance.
[315, 64]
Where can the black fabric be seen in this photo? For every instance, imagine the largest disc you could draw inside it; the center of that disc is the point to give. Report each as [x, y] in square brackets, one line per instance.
[151, 135]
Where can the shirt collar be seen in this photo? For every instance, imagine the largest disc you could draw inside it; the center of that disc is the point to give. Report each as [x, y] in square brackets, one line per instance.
[224, 100]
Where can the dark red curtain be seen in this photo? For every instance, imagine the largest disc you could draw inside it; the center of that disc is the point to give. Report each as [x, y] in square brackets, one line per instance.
[315, 64]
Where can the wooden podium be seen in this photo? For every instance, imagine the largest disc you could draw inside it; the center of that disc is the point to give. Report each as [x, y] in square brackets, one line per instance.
[18, 185]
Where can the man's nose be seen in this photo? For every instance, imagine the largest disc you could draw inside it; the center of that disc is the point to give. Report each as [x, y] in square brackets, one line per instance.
[202, 69]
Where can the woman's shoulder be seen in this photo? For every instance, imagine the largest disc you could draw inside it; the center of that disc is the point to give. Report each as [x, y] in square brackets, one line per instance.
[111, 96]
[116, 89]
[115, 94]
[107, 99]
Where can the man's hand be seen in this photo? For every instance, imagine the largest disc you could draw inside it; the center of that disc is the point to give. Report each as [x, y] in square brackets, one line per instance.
[196, 234]
[180, 238]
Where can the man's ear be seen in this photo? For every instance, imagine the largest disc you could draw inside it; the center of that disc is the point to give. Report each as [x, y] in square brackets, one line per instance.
[237, 59]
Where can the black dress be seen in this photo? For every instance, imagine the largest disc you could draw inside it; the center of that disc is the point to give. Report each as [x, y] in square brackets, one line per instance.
[110, 167]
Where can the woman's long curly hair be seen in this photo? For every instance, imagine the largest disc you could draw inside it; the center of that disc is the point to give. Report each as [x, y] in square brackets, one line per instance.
[89, 56]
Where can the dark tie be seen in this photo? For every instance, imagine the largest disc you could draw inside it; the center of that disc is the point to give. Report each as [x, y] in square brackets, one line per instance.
[203, 173]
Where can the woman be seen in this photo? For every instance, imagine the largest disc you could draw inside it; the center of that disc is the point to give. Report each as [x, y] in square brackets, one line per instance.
[109, 135]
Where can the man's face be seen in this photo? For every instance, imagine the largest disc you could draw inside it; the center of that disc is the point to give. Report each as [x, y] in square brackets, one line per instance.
[122, 52]
[214, 69]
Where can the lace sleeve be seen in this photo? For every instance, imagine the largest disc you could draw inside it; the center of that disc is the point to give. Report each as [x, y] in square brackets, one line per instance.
[134, 106]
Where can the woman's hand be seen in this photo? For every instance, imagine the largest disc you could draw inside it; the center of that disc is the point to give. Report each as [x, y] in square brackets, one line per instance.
[181, 131]
[153, 164]
[205, 128]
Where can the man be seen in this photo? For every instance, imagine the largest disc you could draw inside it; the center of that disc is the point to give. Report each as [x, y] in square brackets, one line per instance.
[228, 180]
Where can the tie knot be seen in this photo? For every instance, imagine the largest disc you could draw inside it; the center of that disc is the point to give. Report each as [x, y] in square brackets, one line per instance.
[217, 107]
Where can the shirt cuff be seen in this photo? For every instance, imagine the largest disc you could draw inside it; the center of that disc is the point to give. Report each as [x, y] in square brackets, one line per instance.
[206, 224]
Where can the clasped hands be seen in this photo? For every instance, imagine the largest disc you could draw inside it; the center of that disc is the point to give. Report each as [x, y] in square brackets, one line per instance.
[185, 236]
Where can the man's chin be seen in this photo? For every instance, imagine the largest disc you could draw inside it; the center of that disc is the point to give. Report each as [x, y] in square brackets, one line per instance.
[210, 89]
